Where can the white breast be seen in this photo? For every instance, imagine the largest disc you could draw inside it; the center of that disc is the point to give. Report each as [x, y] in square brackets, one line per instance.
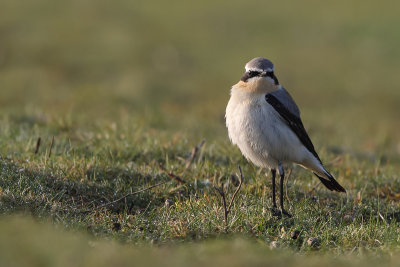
[259, 132]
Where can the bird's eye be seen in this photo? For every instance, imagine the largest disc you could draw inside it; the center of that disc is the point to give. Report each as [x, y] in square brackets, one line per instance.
[253, 73]
[250, 74]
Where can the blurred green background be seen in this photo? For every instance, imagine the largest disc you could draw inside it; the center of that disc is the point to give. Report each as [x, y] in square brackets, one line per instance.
[123, 81]
[171, 64]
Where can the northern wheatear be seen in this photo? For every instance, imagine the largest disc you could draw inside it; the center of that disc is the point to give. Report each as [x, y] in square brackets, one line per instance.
[264, 122]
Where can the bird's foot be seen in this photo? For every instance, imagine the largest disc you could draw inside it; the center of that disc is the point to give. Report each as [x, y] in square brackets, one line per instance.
[284, 212]
[276, 212]
[280, 213]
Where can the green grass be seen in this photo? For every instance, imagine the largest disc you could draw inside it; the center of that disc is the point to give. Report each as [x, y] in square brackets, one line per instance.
[77, 250]
[127, 87]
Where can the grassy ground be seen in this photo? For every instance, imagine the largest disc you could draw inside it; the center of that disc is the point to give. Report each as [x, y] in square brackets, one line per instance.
[128, 89]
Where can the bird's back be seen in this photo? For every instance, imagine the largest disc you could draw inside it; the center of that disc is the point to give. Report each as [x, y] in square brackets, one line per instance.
[286, 99]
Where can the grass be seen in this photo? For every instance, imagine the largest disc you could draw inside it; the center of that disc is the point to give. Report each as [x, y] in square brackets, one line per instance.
[128, 89]
[76, 250]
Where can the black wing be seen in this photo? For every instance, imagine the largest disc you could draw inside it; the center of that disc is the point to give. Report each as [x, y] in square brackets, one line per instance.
[293, 121]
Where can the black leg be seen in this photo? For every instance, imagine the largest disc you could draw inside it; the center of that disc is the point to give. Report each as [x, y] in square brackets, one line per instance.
[273, 171]
[282, 174]
[275, 211]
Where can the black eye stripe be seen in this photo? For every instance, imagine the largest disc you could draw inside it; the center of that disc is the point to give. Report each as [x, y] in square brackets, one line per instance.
[253, 73]
[250, 74]
[270, 74]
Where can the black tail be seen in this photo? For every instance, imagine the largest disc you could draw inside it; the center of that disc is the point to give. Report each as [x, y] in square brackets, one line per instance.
[331, 184]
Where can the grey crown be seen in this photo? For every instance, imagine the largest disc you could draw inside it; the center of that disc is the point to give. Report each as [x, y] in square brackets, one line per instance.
[260, 63]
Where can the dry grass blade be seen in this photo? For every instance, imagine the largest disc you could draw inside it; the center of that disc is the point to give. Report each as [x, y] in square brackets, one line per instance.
[220, 190]
[51, 146]
[237, 189]
[131, 194]
[315, 187]
[176, 178]
[172, 175]
[195, 150]
[38, 145]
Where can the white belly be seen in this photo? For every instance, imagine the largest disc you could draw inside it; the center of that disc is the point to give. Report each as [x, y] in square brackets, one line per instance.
[259, 132]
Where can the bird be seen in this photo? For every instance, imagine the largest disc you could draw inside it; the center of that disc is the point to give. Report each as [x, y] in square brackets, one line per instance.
[264, 121]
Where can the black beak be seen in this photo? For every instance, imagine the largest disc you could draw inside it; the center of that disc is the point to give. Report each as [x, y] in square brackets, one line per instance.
[246, 76]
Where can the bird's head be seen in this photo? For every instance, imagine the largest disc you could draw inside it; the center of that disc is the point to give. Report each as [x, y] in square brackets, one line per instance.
[260, 75]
